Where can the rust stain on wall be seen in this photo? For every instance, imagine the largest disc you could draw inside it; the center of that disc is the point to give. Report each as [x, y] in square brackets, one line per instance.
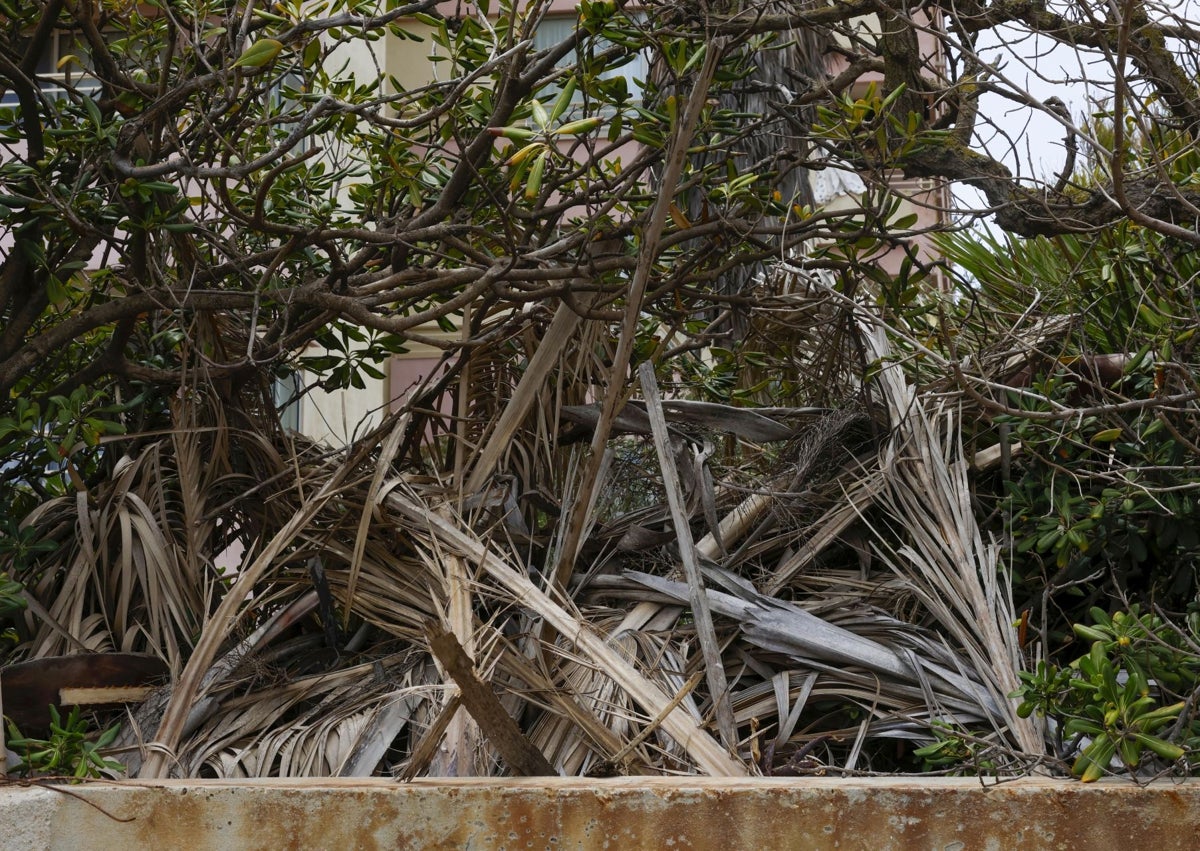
[620, 814]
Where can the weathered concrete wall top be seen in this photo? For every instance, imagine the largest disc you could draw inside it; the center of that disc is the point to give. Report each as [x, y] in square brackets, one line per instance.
[619, 814]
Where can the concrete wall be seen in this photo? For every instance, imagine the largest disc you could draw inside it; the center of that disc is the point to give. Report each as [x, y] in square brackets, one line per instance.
[623, 814]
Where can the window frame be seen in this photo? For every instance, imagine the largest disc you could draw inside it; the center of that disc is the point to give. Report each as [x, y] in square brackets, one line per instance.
[57, 78]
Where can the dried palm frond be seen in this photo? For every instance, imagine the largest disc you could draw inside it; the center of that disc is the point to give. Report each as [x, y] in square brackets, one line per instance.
[952, 571]
[318, 727]
[699, 746]
[127, 584]
[855, 602]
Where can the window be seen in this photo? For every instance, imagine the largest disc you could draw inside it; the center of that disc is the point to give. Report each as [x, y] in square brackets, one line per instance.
[66, 63]
[286, 104]
[287, 390]
[554, 29]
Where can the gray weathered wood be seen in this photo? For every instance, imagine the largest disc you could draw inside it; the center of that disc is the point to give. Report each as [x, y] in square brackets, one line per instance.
[709, 646]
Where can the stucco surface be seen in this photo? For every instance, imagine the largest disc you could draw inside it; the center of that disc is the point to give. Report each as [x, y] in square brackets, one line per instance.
[631, 813]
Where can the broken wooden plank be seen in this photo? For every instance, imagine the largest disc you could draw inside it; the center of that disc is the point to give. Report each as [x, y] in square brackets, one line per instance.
[31, 687]
[481, 702]
[102, 696]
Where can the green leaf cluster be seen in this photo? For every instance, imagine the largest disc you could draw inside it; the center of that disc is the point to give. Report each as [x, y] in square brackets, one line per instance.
[69, 751]
[1122, 699]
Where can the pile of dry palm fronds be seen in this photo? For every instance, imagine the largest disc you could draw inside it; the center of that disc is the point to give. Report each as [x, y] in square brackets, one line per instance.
[726, 592]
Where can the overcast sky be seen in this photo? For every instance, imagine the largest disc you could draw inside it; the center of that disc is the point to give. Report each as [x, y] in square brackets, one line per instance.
[1029, 141]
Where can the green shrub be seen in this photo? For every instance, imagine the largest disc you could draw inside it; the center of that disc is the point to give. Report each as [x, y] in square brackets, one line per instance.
[1125, 698]
[67, 752]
